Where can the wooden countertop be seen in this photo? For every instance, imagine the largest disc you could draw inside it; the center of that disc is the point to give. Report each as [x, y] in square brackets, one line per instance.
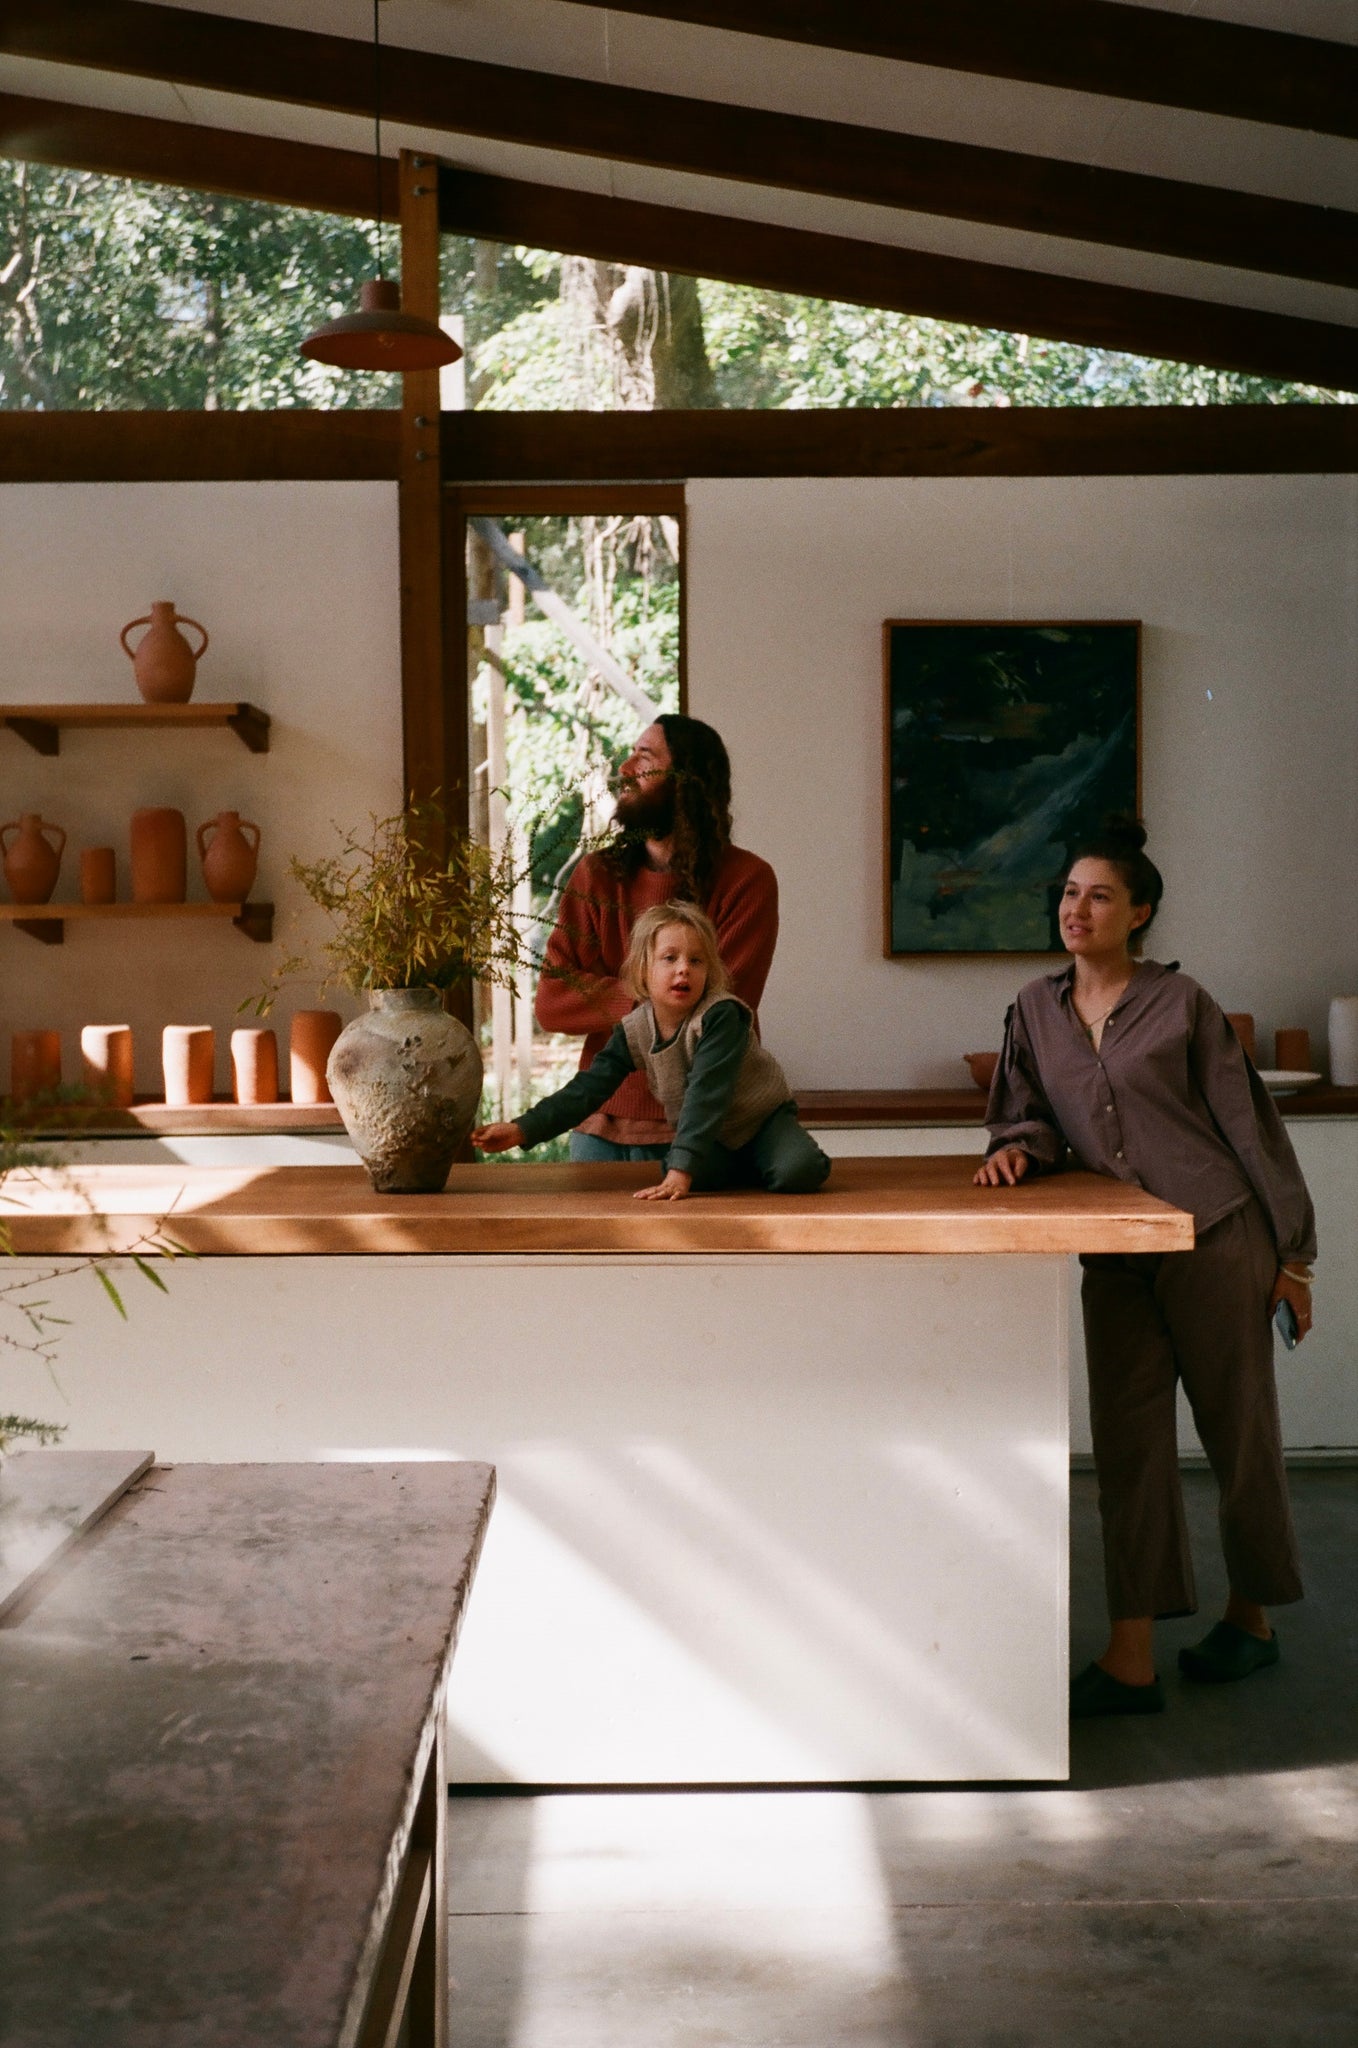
[868, 1205]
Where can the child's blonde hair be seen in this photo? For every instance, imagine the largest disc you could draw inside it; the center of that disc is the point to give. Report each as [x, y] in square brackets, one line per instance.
[647, 930]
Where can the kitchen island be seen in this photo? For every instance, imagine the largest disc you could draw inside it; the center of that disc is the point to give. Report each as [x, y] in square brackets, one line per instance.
[782, 1479]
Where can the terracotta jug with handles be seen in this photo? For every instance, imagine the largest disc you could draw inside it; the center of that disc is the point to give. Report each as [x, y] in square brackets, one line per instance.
[32, 863]
[163, 662]
[229, 858]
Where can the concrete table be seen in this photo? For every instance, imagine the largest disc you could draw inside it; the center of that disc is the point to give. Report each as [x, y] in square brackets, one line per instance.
[783, 1479]
[222, 1783]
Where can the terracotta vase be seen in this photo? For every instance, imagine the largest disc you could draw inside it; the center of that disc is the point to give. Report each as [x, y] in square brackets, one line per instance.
[163, 662]
[312, 1035]
[407, 1082]
[34, 1064]
[229, 858]
[98, 874]
[107, 1053]
[186, 1054]
[254, 1065]
[160, 859]
[1242, 1023]
[32, 863]
[1292, 1049]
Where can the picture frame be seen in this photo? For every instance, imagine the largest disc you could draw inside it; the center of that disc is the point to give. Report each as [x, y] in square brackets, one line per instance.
[1005, 742]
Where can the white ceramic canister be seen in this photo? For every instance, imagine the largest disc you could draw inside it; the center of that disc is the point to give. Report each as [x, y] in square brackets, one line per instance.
[1344, 1041]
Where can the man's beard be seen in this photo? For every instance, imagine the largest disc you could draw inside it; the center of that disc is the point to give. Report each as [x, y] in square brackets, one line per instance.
[647, 807]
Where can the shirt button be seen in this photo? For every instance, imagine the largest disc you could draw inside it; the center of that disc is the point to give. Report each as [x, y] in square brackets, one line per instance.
[1121, 1155]
[1108, 1109]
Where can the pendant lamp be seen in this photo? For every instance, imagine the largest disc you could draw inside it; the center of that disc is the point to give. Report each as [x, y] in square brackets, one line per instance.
[380, 336]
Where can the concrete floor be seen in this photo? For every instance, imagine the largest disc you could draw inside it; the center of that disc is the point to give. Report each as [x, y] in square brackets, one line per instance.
[1196, 1883]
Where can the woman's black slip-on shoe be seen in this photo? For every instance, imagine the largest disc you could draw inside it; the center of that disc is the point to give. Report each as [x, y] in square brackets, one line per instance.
[1095, 1691]
[1227, 1653]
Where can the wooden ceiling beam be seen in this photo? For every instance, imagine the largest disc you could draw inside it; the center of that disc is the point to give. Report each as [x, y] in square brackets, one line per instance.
[199, 447]
[900, 280]
[751, 145]
[1126, 52]
[180, 153]
[1163, 440]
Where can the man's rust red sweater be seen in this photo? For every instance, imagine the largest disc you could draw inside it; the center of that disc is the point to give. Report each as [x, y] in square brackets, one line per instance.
[579, 990]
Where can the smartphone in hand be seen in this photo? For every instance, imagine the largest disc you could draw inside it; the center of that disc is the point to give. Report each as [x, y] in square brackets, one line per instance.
[1285, 1318]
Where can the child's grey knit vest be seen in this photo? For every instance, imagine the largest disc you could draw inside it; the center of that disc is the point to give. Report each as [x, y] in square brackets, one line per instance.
[761, 1084]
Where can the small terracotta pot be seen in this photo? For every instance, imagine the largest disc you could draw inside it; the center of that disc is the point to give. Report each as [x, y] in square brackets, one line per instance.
[107, 1053]
[309, 1042]
[254, 1065]
[163, 662]
[32, 863]
[229, 858]
[1292, 1050]
[98, 874]
[1242, 1023]
[187, 1056]
[160, 856]
[981, 1066]
[34, 1064]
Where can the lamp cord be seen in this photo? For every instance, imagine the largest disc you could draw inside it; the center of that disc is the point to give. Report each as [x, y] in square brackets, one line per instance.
[377, 128]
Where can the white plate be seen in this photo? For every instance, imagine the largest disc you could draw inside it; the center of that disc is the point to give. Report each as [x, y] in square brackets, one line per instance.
[1286, 1080]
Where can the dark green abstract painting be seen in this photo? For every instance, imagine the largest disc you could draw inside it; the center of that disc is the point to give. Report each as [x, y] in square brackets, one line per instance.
[1005, 745]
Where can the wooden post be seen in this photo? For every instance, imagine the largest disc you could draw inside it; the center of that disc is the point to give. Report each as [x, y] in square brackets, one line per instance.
[434, 723]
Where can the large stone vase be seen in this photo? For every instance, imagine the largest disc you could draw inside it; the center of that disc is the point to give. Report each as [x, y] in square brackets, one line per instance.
[407, 1082]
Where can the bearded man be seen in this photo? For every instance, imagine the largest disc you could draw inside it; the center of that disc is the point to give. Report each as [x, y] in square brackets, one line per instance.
[672, 842]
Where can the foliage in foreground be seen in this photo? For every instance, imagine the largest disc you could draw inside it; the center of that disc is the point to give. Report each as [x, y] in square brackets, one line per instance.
[28, 1326]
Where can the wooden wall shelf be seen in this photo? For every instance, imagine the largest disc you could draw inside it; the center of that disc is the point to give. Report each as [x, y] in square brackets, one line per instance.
[41, 725]
[47, 921]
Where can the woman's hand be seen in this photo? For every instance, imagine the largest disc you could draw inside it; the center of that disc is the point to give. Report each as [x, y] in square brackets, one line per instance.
[672, 1188]
[1285, 1288]
[497, 1137]
[1003, 1168]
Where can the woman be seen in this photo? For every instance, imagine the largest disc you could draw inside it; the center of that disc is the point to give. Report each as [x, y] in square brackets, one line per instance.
[1133, 1069]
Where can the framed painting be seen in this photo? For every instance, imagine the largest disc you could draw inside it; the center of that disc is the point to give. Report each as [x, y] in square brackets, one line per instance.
[1005, 745]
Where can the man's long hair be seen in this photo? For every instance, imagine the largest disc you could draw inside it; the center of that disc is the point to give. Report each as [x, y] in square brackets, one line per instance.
[701, 784]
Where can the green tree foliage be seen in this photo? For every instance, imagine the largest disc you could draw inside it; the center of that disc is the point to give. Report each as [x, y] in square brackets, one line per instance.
[115, 294]
[123, 296]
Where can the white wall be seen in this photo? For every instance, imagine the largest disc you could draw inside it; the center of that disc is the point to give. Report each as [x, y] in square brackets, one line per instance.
[1246, 589]
[297, 583]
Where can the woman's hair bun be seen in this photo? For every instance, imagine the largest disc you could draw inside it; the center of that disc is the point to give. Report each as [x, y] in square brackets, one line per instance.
[1120, 828]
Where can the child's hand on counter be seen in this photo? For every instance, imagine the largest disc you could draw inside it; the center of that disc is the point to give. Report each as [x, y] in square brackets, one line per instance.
[672, 1188]
[497, 1137]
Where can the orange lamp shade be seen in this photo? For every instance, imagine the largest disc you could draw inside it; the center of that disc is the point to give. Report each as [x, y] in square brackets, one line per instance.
[380, 336]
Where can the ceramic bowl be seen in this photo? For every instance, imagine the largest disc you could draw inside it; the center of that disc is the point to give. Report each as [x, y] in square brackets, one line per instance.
[982, 1066]
[1287, 1080]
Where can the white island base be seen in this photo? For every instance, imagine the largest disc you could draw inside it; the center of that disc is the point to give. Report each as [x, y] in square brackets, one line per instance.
[762, 1518]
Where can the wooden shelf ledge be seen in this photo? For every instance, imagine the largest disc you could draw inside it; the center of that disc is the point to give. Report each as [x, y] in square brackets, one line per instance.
[47, 922]
[41, 725]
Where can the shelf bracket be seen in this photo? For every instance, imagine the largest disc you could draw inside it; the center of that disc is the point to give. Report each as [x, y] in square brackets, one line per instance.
[48, 931]
[251, 725]
[40, 733]
[256, 921]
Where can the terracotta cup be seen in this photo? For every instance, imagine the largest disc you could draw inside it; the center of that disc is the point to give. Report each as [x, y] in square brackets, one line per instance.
[1242, 1023]
[254, 1065]
[34, 1064]
[187, 1054]
[160, 856]
[1292, 1050]
[98, 874]
[107, 1053]
[309, 1042]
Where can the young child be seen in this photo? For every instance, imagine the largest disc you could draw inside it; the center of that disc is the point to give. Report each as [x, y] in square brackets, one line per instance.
[734, 1119]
